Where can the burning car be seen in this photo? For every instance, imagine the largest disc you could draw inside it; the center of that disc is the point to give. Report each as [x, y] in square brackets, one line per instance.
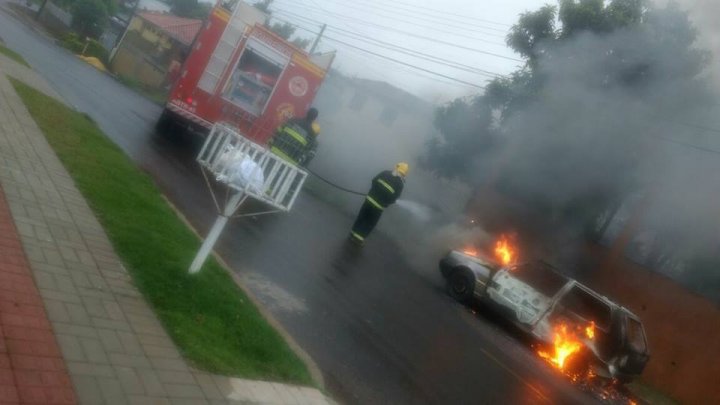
[569, 320]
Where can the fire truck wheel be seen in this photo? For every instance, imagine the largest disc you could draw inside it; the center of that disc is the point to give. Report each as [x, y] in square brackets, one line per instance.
[164, 123]
[460, 285]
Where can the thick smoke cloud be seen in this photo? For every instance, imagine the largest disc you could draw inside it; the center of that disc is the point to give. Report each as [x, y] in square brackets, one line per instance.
[630, 113]
[704, 14]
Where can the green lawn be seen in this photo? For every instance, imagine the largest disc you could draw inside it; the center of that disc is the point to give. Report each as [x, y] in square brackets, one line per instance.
[13, 55]
[158, 96]
[208, 316]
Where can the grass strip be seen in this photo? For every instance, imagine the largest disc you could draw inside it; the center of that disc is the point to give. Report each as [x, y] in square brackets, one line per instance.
[158, 96]
[211, 320]
[13, 55]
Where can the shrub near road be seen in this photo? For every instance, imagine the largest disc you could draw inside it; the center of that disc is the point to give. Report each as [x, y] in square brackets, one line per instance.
[208, 316]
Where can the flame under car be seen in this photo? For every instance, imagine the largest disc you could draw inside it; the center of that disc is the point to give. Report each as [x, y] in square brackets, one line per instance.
[538, 299]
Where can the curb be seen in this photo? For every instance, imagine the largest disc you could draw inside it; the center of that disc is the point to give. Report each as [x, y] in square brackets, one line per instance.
[313, 368]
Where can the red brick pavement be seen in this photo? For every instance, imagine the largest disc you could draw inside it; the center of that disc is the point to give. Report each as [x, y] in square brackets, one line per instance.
[32, 370]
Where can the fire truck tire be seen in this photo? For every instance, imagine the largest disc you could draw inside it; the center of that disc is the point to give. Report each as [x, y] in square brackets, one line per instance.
[164, 123]
[460, 285]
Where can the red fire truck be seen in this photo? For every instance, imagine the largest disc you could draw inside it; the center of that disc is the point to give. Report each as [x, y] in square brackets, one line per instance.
[240, 73]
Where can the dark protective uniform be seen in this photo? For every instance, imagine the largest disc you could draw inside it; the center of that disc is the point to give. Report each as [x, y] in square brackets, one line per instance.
[294, 141]
[385, 190]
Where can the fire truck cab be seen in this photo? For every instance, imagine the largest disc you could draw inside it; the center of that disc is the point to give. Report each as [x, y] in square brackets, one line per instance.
[240, 73]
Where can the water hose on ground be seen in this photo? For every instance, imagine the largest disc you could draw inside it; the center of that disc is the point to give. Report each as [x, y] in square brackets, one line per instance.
[337, 186]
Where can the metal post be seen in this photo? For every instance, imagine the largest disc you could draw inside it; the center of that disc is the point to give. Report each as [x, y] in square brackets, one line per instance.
[215, 231]
[40, 9]
[119, 39]
[317, 40]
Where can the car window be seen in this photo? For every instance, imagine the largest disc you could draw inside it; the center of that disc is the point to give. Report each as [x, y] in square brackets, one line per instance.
[587, 306]
[636, 335]
[539, 277]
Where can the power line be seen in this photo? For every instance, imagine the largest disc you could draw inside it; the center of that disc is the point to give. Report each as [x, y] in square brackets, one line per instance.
[480, 51]
[391, 29]
[398, 48]
[416, 6]
[426, 27]
[407, 51]
[405, 63]
[414, 9]
[457, 81]
[386, 57]
[376, 10]
[363, 61]
[687, 144]
[423, 56]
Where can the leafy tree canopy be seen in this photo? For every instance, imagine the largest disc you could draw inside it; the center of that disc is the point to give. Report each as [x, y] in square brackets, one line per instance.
[595, 71]
[191, 8]
[284, 29]
[90, 17]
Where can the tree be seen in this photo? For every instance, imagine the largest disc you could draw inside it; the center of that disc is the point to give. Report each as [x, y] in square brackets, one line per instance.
[90, 17]
[466, 128]
[301, 43]
[285, 29]
[575, 128]
[191, 8]
[264, 6]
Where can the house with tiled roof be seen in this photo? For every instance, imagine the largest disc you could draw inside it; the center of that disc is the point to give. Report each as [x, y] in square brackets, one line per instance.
[153, 47]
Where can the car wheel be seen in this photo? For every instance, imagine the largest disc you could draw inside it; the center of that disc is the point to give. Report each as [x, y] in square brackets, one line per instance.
[461, 286]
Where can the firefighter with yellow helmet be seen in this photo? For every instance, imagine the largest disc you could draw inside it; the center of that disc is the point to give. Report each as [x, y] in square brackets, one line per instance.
[296, 139]
[385, 189]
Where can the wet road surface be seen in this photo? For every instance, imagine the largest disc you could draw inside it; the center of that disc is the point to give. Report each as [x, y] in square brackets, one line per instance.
[381, 330]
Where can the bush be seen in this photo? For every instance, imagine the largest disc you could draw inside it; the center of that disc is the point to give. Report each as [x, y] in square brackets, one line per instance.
[74, 43]
[96, 49]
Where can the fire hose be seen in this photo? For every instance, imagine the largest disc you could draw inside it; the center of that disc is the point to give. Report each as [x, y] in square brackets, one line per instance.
[337, 186]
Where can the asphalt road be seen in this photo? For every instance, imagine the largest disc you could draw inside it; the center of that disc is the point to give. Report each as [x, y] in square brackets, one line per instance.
[381, 330]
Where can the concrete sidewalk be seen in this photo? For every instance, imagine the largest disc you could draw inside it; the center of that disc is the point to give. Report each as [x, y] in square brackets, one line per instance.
[110, 342]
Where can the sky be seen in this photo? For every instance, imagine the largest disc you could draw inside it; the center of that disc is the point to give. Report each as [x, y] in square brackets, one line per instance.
[467, 32]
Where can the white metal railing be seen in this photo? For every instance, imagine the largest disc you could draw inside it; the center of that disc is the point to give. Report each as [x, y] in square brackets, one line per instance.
[250, 168]
[247, 170]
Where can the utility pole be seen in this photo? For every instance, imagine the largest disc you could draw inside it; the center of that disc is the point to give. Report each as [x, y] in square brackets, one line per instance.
[40, 10]
[119, 39]
[317, 40]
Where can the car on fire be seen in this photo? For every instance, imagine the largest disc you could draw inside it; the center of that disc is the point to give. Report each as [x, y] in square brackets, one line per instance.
[536, 298]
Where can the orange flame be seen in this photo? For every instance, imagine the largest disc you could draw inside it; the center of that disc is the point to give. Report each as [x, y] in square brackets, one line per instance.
[470, 251]
[504, 251]
[565, 345]
[590, 330]
[567, 342]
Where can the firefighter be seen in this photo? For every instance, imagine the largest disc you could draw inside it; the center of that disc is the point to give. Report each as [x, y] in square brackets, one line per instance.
[385, 190]
[295, 140]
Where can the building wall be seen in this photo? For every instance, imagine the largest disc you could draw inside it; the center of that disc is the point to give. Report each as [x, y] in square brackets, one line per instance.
[150, 33]
[130, 63]
[682, 327]
[140, 54]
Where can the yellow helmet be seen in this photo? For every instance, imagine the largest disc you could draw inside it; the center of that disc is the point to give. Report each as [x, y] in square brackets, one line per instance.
[316, 128]
[402, 168]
